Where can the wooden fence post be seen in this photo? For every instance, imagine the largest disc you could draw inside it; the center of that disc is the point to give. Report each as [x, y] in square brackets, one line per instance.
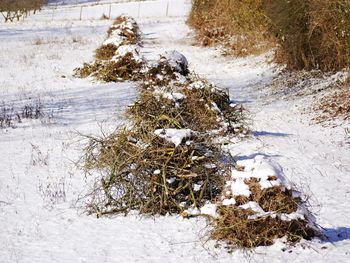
[109, 11]
[81, 12]
[167, 9]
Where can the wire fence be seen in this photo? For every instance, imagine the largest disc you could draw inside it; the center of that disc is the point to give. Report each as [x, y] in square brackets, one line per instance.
[110, 10]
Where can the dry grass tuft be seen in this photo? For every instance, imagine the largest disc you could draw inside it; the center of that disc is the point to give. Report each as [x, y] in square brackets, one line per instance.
[127, 28]
[334, 106]
[273, 199]
[271, 210]
[163, 72]
[239, 231]
[105, 52]
[9, 115]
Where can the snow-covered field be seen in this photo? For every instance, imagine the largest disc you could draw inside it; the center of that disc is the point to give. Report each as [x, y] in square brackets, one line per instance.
[40, 219]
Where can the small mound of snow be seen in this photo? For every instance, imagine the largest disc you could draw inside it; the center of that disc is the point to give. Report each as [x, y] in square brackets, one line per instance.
[178, 61]
[262, 169]
[124, 50]
[174, 136]
[174, 96]
[115, 38]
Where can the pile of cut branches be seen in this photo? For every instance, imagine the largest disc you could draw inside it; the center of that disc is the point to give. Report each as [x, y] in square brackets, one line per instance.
[118, 58]
[259, 205]
[195, 104]
[151, 173]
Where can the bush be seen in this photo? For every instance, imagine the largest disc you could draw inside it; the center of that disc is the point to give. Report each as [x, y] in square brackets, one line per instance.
[11, 9]
[312, 34]
[240, 26]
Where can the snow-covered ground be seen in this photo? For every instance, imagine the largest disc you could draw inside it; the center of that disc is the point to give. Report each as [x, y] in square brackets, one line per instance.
[40, 184]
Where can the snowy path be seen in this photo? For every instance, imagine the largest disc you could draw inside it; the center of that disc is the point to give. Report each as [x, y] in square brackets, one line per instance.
[39, 182]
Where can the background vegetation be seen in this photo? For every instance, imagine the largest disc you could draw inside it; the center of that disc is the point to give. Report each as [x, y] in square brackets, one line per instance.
[15, 9]
[310, 34]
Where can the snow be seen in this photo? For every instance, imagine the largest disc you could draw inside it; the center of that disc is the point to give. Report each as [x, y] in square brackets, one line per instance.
[239, 187]
[157, 172]
[115, 39]
[171, 180]
[261, 168]
[208, 209]
[123, 50]
[177, 60]
[39, 216]
[228, 202]
[253, 206]
[175, 136]
[174, 96]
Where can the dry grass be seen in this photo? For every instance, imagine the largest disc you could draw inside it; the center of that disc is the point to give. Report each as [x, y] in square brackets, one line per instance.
[162, 73]
[105, 52]
[334, 106]
[125, 68]
[141, 171]
[238, 231]
[274, 198]
[132, 36]
[263, 216]
[9, 115]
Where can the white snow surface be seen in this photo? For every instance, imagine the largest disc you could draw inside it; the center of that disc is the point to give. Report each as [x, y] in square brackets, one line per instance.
[175, 136]
[177, 60]
[261, 168]
[208, 209]
[39, 183]
[174, 96]
[123, 50]
[115, 38]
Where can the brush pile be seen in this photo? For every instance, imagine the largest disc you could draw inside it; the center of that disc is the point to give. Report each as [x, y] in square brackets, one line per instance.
[164, 161]
[118, 58]
[167, 160]
[259, 205]
[195, 104]
[162, 172]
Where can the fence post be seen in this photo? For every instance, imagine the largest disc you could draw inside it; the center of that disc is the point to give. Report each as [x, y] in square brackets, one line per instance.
[53, 13]
[167, 9]
[81, 12]
[109, 11]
